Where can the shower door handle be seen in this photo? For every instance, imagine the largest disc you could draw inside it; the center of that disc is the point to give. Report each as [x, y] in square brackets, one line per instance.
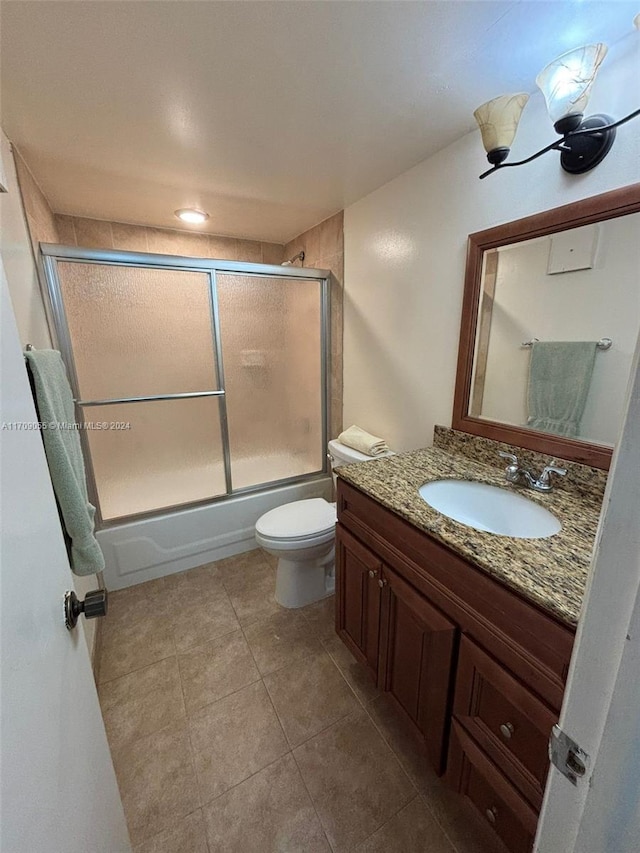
[94, 605]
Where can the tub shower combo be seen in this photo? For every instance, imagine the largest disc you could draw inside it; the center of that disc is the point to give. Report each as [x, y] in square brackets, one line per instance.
[203, 388]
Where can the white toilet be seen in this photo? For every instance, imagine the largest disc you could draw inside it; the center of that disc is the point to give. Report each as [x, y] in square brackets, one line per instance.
[302, 535]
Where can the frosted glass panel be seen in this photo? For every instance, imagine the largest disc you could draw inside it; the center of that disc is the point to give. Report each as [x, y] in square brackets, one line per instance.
[271, 342]
[171, 454]
[138, 332]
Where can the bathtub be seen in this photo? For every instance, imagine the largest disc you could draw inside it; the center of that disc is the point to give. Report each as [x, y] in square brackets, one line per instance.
[147, 548]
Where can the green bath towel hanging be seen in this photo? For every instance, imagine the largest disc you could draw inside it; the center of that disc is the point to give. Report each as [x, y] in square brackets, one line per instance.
[559, 381]
[64, 457]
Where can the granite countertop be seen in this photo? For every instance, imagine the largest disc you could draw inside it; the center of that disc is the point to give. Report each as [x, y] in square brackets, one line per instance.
[551, 572]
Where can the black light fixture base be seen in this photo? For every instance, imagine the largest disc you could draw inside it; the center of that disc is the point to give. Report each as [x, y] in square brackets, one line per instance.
[580, 151]
[498, 155]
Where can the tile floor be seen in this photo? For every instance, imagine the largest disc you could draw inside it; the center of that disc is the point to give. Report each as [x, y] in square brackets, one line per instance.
[237, 725]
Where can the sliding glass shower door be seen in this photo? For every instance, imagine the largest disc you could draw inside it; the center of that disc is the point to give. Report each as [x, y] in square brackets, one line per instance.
[192, 381]
[271, 346]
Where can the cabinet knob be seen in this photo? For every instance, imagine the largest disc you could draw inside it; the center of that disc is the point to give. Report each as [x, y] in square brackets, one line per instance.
[506, 730]
[382, 582]
[373, 573]
[491, 814]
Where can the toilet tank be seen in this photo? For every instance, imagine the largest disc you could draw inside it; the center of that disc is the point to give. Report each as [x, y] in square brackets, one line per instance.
[340, 454]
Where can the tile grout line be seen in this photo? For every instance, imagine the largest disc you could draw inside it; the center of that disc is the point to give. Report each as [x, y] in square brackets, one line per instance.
[311, 800]
[454, 847]
[382, 825]
[360, 701]
[392, 750]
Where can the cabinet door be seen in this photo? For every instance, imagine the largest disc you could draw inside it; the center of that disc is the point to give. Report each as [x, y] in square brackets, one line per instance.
[358, 573]
[417, 650]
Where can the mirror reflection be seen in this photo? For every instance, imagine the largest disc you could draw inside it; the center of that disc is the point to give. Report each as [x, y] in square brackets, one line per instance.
[547, 307]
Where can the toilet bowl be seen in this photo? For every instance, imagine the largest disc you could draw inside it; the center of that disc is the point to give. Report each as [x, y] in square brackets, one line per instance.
[301, 535]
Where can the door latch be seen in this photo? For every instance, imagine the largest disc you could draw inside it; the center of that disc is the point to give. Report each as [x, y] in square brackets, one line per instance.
[567, 756]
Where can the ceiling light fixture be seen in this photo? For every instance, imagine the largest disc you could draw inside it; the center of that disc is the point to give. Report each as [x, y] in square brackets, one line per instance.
[566, 85]
[191, 215]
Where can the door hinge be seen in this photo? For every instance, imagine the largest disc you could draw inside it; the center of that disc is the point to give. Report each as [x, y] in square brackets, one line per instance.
[567, 756]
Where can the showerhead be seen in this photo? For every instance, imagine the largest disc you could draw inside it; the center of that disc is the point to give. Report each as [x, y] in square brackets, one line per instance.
[291, 261]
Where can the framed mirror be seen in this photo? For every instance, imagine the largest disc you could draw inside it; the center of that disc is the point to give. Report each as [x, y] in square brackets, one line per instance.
[550, 320]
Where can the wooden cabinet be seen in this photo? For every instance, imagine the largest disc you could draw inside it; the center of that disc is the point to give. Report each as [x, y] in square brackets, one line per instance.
[405, 642]
[477, 668]
[358, 599]
[416, 658]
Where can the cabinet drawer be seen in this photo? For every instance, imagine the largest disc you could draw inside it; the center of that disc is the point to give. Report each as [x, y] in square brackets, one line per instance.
[508, 721]
[472, 774]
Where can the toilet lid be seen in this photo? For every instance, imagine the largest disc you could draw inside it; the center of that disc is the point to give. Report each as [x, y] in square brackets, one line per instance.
[298, 519]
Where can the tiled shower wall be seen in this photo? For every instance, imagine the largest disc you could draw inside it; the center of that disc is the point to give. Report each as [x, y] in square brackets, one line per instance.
[40, 218]
[100, 234]
[323, 246]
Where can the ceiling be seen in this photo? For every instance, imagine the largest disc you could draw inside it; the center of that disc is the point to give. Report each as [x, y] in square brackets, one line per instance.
[271, 116]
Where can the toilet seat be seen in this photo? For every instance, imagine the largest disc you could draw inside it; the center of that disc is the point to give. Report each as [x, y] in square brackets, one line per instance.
[298, 521]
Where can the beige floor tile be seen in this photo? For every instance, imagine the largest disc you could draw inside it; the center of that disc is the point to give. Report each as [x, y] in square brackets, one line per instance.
[204, 579]
[201, 617]
[412, 830]
[253, 597]
[149, 597]
[143, 638]
[354, 672]
[404, 740]
[271, 811]
[234, 738]
[216, 669]
[157, 781]
[240, 567]
[188, 836]
[321, 617]
[310, 696]
[281, 639]
[354, 780]
[142, 702]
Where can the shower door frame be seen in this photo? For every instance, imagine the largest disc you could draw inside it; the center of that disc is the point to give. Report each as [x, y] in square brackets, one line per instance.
[52, 253]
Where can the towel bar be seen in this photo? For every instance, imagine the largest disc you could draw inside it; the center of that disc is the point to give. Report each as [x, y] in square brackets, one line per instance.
[603, 343]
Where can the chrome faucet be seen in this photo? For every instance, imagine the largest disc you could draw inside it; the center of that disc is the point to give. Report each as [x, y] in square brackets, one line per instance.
[515, 474]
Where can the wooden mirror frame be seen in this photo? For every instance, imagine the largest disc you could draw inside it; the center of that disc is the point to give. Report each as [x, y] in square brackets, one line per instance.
[598, 208]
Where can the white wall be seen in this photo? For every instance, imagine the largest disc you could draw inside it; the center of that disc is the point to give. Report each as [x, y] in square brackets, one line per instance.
[405, 248]
[583, 305]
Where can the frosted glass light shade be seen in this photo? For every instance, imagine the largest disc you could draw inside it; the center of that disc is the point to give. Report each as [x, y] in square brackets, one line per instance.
[566, 82]
[498, 120]
[636, 21]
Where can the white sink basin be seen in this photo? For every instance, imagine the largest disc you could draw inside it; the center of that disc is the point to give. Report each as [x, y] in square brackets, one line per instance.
[490, 508]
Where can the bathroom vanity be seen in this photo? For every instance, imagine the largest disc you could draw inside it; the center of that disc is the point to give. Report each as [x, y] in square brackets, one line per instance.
[471, 633]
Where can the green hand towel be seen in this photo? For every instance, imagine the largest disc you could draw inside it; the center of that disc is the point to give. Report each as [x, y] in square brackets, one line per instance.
[64, 456]
[559, 381]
